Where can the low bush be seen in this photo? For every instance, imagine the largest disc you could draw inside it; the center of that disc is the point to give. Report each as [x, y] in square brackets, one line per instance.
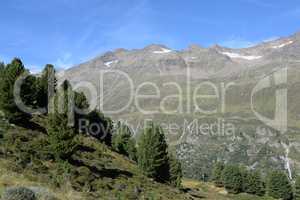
[20, 193]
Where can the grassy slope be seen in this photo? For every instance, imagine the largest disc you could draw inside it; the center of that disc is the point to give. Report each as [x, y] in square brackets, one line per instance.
[113, 175]
[210, 192]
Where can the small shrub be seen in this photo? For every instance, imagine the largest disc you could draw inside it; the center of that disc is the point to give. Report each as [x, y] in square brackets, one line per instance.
[253, 183]
[123, 142]
[20, 193]
[233, 179]
[217, 174]
[279, 186]
[297, 189]
[175, 171]
[43, 193]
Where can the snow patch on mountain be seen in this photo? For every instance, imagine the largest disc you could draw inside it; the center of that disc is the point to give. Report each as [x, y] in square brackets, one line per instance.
[283, 45]
[162, 51]
[109, 63]
[239, 56]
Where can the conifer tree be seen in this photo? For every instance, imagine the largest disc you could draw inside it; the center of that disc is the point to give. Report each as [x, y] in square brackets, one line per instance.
[100, 127]
[61, 132]
[153, 153]
[7, 102]
[46, 86]
[2, 68]
[232, 178]
[92, 122]
[29, 93]
[123, 141]
[217, 174]
[297, 188]
[253, 183]
[175, 171]
[279, 186]
[81, 109]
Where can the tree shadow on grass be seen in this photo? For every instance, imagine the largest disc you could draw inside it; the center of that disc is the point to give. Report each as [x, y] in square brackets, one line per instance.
[103, 172]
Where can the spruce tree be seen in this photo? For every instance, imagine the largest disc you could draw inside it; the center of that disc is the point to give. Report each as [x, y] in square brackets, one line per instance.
[93, 122]
[100, 127]
[153, 153]
[61, 132]
[29, 92]
[7, 102]
[233, 179]
[81, 106]
[217, 174]
[279, 186]
[297, 188]
[175, 171]
[2, 68]
[46, 86]
[253, 183]
[123, 141]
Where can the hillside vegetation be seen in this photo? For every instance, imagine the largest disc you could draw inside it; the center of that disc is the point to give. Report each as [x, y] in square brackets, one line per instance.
[49, 154]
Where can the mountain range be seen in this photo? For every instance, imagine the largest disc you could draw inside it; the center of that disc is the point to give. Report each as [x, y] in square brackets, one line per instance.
[215, 104]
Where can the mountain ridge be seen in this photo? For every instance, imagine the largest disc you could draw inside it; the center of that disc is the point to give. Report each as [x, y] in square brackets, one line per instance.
[245, 68]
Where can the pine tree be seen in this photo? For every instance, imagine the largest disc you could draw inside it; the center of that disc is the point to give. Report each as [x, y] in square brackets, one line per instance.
[81, 109]
[7, 102]
[46, 86]
[297, 189]
[100, 127]
[2, 68]
[123, 141]
[232, 178]
[253, 183]
[93, 123]
[153, 153]
[61, 133]
[217, 174]
[29, 91]
[279, 186]
[175, 171]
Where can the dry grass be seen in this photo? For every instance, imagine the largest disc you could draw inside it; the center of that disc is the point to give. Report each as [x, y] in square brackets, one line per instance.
[209, 192]
[12, 179]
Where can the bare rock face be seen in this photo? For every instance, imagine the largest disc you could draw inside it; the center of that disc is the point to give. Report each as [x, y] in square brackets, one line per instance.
[179, 82]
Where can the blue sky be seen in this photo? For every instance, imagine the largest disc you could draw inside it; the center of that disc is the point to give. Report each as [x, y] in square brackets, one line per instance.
[68, 32]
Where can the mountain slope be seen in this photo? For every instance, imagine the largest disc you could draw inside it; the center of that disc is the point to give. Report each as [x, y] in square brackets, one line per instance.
[94, 172]
[233, 73]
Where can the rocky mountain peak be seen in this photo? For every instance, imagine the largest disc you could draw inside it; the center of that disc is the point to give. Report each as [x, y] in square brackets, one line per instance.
[157, 48]
[195, 47]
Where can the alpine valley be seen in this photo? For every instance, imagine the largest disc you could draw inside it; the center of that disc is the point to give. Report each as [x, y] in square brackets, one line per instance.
[215, 104]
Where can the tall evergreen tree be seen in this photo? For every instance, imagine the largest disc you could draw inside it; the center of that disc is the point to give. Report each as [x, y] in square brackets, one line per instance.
[29, 92]
[217, 174]
[93, 122]
[7, 102]
[153, 153]
[47, 84]
[123, 141]
[175, 171]
[61, 133]
[100, 127]
[279, 186]
[297, 188]
[81, 106]
[233, 179]
[2, 68]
